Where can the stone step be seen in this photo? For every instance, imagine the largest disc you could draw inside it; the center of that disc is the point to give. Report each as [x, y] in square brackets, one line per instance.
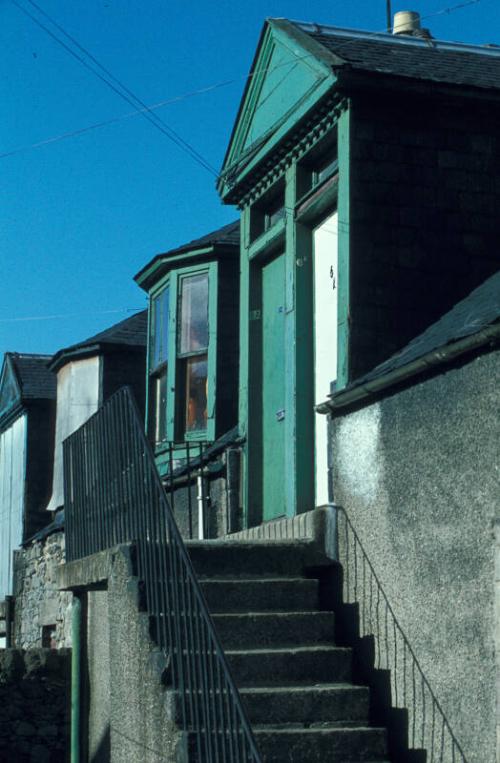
[290, 665]
[260, 594]
[261, 629]
[323, 744]
[320, 703]
[215, 558]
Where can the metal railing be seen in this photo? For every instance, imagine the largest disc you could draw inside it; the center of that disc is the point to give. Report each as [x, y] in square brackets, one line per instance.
[428, 727]
[113, 494]
[190, 473]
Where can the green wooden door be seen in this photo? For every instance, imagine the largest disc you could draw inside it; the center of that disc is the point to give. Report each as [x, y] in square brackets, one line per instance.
[273, 388]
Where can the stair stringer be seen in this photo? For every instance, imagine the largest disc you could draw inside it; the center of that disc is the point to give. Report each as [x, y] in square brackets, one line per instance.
[144, 725]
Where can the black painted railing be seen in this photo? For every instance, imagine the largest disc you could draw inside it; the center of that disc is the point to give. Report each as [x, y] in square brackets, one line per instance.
[428, 727]
[113, 494]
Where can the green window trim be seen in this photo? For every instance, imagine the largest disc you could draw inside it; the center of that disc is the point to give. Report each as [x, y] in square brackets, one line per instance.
[179, 362]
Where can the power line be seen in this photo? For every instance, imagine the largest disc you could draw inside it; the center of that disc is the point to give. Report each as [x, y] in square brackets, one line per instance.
[127, 95]
[70, 315]
[176, 99]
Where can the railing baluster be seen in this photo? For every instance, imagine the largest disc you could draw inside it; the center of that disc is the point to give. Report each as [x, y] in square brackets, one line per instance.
[189, 498]
[424, 712]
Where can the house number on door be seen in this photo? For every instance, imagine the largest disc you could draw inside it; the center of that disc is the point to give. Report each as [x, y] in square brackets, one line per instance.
[332, 276]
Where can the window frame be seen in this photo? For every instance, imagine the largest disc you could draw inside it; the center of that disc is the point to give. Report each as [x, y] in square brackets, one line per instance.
[175, 405]
[155, 373]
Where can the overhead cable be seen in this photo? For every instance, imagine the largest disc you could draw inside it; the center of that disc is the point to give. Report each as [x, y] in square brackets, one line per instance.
[148, 109]
[125, 93]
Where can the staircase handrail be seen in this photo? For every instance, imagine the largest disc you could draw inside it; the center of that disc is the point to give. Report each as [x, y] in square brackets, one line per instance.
[434, 733]
[113, 494]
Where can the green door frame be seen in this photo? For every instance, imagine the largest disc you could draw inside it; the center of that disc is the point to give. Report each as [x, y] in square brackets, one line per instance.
[295, 239]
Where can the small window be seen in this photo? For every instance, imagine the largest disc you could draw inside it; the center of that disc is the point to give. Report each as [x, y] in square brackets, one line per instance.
[49, 637]
[320, 164]
[158, 366]
[192, 354]
[267, 212]
[324, 171]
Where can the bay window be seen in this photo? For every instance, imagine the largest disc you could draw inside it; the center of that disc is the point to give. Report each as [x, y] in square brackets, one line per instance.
[181, 390]
[192, 353]
[158, 366]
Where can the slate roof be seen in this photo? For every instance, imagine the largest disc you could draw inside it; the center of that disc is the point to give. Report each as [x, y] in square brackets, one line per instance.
[34, 378]
[478, 311]
[227, 235]
[405, 56]
[131, 332]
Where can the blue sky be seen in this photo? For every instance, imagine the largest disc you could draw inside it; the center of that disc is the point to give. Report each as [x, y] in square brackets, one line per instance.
[79, 217]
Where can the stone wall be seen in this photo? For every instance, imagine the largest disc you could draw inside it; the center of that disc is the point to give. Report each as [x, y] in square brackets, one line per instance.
[34, 697]
[38, 602]
[417, 474]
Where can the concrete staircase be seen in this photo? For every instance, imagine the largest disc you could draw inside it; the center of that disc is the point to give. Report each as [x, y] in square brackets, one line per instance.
[280, 643]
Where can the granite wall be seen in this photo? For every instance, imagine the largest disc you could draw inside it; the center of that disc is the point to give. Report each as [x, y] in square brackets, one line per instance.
[42, 612]
[34, 697]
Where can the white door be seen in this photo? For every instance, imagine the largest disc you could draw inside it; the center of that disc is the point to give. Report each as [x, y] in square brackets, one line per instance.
[325, 338]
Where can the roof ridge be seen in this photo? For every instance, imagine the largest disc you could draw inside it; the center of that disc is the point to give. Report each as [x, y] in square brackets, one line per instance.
[384, 37]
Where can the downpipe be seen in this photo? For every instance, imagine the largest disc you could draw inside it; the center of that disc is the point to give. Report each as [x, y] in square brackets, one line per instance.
[76, 632]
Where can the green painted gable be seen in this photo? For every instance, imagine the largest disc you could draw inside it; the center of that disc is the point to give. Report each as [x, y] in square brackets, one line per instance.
[10, 393]
[289, 75]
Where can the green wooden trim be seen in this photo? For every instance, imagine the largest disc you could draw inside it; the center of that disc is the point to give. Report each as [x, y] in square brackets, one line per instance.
[172, 372]
[318, 202]
[344, 136]
[148, 365]
[269, 240]
[309, 55]
[244, 348]
[172, 354]
[213, 295]
[290, 475]
[252, 96]
[299, 420]
[302, 140]
[160, 262]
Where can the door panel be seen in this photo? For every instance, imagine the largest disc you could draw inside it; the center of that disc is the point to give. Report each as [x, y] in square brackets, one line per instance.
[273, 388]
[325, 243]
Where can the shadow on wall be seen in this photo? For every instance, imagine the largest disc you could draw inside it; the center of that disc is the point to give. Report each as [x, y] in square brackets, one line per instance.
[103, 752]
[415, 473]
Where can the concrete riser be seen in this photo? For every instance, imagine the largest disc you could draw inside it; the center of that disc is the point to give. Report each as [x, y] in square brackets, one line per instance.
[317, 704]
[294, 682]
[229, 559]
[275, 629]
[285, 595]
[292, 666]
[322, 746]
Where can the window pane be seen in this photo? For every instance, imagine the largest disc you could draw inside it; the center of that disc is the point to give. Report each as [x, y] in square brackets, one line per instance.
[194, 313]
[196, 393]
[159, 350]
[160, 406]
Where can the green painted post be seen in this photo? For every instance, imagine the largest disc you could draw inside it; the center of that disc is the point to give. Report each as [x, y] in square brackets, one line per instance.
[76, 626]
[344, 237]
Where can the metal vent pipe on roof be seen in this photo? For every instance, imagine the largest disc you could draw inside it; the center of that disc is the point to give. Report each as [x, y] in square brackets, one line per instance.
[408, 23]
